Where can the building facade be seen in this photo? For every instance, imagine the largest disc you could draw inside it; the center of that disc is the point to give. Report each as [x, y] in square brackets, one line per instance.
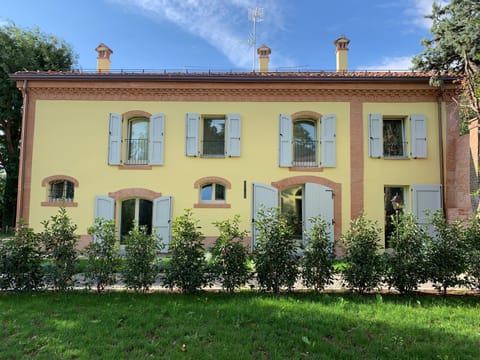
[147, 146]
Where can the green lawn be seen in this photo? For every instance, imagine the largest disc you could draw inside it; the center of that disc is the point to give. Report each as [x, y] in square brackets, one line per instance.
[121, 325]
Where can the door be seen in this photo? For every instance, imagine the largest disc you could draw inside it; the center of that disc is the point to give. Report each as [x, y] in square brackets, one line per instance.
[317, 200]
[265, 196]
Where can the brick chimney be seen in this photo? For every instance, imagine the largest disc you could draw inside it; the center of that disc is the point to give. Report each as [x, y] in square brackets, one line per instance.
[264, 56]
[342, 53]
[103, 58]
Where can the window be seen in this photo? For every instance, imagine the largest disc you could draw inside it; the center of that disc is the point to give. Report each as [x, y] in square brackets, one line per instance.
[299, 144]
[135, 211]
[212, 193]
[388, 139]
[61, 191]
[213, 135]
[137, 141]
[141, 142]
[393, 204]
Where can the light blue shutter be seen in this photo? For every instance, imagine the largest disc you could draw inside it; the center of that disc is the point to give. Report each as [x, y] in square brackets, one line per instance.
[156, 139]
[234, 131]
[115, 139]
[328, 141]
[426, 198]
[317, 200]
[375, 134]
[418, 127]
[285, 141]
[265, 196]
[162, 219]
[104, 209]
[193, 120]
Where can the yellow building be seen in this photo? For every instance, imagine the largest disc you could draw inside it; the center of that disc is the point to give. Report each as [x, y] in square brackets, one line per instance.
[147, 146]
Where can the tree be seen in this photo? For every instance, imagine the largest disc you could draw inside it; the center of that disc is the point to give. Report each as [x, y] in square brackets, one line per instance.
[455, 47]
[22, 49]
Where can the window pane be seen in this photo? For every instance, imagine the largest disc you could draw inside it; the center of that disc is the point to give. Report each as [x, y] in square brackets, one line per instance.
[128, 216]
[304, 143]
[393, 141]
[69, 191]
[137, 144]
[145, 215]
[206, 193]
[219, 192]
[214, 137]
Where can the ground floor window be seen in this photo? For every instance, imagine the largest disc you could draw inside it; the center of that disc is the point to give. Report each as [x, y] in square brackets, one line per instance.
[394, 200]
[135, 211]
[291, 200]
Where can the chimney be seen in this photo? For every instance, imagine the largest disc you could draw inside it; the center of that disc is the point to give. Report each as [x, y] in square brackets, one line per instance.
[342, 53]
[103, 58]
[264, 55]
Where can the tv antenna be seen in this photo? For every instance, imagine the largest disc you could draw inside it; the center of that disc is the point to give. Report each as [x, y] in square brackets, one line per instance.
[254, 15]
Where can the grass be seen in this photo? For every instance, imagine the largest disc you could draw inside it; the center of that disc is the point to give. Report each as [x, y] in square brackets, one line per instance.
[122, 325]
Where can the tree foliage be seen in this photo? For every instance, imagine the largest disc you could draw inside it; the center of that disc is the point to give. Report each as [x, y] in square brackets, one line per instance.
[22, 49]
[455, 46]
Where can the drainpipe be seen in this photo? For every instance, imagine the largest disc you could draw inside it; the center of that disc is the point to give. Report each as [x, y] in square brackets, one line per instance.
[441, 151]
[22, 154]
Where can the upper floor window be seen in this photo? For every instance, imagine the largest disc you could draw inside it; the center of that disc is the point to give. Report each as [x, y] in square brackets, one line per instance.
[388, 136]
[307, 141]
[213, 135]
[61, 191]
[138, 142]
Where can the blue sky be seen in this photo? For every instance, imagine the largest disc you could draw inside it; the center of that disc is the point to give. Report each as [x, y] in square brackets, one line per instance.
[213, 34]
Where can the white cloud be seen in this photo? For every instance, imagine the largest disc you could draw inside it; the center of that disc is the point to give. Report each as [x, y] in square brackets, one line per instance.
[420, 8]
[398, 63]
[3, 22]
[221, 23]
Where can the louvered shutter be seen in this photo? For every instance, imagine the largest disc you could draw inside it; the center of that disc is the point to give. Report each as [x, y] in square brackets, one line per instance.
[426, 198]
[193, 120]
[375, 134]
[115, 139]
[328, 135]
[285, 141]
[104, 209]
[156, 139]
[418, 127]
[265, 196]
[233, 137]
[162, 219]
[317, 200]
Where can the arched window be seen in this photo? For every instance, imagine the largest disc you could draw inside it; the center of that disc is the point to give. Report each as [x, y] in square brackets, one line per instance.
[305, 143]
[212, 193]
[61, 191]
[137, 141]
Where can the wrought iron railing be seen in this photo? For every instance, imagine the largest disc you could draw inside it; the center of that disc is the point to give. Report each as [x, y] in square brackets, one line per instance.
[137, 151]
[213, 148]
[305, 153]
[394, 149]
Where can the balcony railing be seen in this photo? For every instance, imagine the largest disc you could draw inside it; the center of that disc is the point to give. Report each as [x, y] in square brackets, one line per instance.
[213, 148]
[305, 153]
[137, 151]
[394, 149]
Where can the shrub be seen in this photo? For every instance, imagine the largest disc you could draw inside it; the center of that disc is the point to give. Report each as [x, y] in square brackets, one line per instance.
[472, 238]
[364, 265]
[319, 256]
[102, 255]
[275, 254]
[446, 253]
[405, 266]
[140, 267]
[229, 255]
[60, 243]
[20, 261]
[187, 269]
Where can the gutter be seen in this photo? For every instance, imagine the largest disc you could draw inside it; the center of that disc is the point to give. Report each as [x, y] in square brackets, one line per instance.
[21, 165]
[441, 150]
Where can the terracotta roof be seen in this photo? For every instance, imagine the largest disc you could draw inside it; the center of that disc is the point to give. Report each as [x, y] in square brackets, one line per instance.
[300, 76]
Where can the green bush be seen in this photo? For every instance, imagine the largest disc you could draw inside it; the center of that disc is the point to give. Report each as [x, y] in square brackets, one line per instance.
[364, 269]
[405, 266]
[140, 267]
[472, 237]
[276, 251]
[446, 253]
[229, 255]
[102, 255]
[21, 261]
[60, 244]
[319, 257]
[187, 268]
